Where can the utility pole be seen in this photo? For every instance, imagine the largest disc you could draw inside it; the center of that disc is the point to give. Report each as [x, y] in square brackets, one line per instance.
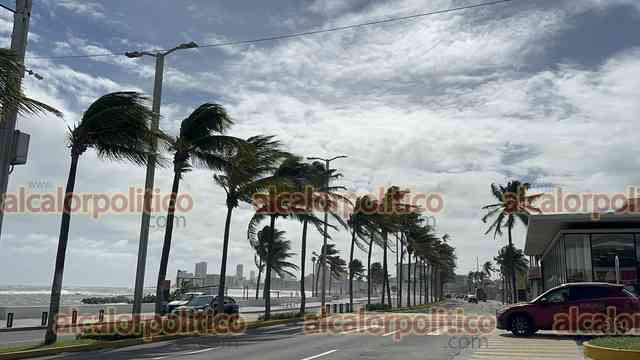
[327, 162]
[151, 171]
[21, 18]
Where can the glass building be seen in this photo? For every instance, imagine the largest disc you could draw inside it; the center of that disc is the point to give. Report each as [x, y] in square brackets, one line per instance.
[566, 248]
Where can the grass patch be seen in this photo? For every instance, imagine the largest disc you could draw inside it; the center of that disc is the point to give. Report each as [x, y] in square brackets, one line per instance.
[618, 342]
[4, 350]
[289, 315]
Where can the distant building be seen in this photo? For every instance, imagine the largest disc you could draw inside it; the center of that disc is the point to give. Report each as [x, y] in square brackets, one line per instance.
[186, 279]
[252, 275]
[239, 272]
[201, 269]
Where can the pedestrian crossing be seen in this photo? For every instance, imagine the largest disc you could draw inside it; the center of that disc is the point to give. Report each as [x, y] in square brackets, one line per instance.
[532, 348]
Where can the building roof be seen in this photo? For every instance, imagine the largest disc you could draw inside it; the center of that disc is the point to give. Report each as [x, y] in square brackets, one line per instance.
[542, 229]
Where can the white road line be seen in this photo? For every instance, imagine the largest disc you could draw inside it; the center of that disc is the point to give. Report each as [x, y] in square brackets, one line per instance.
[282, 330]
[390, 333]
[319, 355]
[199, 351]
[358, 330]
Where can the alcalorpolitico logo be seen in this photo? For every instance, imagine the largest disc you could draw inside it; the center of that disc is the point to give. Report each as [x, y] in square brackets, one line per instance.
[94, 204]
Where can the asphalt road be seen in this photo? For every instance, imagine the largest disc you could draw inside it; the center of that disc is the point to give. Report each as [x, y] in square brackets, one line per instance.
[292, 341]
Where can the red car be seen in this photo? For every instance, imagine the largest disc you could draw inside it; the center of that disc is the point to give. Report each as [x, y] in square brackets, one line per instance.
[573, 307]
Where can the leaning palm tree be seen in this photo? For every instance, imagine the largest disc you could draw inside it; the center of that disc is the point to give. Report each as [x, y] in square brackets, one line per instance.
[274, 202]
[308, 181]
[248, 169]
[362, 226]
[331, 252]
[513, 202]
[117, 127]
[487, 269]
[200, 143]
[260, 265]
[356, 271]
[11, 95]
[274, 251]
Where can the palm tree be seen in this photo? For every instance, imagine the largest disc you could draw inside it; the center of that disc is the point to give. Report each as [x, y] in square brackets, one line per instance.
[309, 181]
[487, 269]
[331, 252]
[273, 203]
[199, 144]
[117, 127]
[511, 261]
[11, 94]
[246, 171]
[260, 265]
[274, 251]
[362, 226]
[356, 270]
[513, 202]
[337, 268]
[376, 274]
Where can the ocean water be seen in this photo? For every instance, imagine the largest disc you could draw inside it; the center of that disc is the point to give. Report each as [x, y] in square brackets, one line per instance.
[40, 295]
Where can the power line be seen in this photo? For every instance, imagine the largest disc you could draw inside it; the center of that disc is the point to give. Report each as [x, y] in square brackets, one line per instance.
[7, 8]
[298, 34]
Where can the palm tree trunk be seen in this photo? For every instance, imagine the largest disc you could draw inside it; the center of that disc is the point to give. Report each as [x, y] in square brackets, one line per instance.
[353, 244]
[513, 272]
[424, 280]
[415, 277]
[421, 281]
[386, 269]
[400, 278]
[223, 265]
[258, 283]
[409, 282]
[317, 275]
[166, 245]
[267, 281]
[303, 255]
[267, 293]
[369, 271]
[56, 287]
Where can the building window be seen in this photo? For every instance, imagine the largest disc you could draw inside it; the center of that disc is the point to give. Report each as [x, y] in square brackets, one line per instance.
[554, 266]
[578, 257]
[604, 250]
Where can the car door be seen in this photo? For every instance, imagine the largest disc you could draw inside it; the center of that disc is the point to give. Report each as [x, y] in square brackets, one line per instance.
[587, 302]
[550, 306]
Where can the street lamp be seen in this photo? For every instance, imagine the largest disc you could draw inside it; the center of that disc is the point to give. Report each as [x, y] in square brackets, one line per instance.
[323, 259]
[151, 167]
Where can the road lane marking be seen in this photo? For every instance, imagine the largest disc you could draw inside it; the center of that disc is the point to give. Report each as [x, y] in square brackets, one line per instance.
[199, 351]
[282, 330]
[391, 333]
[359, 330]
[319, 355]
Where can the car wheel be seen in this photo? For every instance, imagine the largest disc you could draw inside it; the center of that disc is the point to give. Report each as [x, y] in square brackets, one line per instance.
[522, 326]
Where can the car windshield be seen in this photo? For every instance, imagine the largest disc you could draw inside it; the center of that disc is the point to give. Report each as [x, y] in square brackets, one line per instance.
[200, 301]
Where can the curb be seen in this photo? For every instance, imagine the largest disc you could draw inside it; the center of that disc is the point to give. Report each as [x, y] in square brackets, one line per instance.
[124, 343]
[72, 348]
[603, 353]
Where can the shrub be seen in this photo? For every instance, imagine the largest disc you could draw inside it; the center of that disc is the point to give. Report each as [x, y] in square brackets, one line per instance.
[377, 307]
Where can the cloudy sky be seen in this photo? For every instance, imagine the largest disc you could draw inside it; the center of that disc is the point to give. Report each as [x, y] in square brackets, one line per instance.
[545, 91]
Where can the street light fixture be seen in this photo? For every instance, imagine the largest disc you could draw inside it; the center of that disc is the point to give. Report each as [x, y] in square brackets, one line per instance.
[323, 259]
[151, 168]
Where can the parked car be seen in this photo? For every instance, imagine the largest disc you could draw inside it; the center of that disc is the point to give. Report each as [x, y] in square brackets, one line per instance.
[182, 300]
[572, 307]
[472, 298]
[208, 303]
